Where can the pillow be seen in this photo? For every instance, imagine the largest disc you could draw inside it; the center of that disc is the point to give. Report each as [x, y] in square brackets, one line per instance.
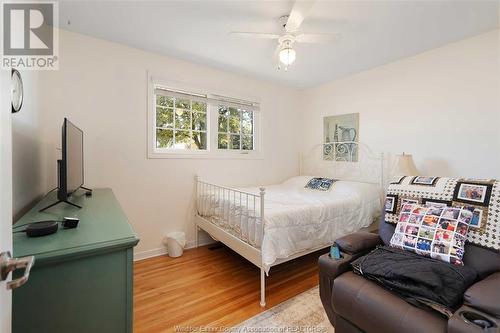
[438, 232]
[321, 184]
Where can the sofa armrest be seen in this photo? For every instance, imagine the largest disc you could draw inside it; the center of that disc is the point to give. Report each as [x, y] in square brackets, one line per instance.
[485, 295]
[332, 268]
[352, 246]
[358, 242]
[329, 269]
[470, 320]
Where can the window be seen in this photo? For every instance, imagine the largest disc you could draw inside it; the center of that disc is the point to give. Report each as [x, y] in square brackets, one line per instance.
[185, 124]
[235, 128]
[181, 123]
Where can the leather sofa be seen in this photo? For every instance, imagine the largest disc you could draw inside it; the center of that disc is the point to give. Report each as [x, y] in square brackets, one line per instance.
[356, 304]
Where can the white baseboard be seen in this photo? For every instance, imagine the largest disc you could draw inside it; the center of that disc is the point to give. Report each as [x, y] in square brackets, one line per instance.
[150, 253]
[163, 250]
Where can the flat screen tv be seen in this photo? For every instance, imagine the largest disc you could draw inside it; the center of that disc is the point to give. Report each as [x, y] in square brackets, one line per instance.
[71, 170]
[70, 166]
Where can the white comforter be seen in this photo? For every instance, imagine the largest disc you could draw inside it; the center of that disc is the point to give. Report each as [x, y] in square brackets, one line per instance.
[297, 219]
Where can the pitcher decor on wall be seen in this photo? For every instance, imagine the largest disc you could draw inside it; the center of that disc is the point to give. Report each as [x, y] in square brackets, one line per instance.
[340, 130]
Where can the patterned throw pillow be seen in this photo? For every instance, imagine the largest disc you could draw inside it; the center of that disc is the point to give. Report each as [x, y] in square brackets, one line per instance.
[321, 184]
[435, 231]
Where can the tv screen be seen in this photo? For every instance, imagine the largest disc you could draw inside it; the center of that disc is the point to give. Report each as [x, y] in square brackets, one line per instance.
[72, 156]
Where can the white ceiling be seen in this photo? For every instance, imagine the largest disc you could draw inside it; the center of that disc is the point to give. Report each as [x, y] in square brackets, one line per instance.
[372, 32]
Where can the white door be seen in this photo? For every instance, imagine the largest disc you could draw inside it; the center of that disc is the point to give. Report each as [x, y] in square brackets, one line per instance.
[5, 193]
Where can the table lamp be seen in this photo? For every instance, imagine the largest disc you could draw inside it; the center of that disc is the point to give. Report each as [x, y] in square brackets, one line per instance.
[404, 166]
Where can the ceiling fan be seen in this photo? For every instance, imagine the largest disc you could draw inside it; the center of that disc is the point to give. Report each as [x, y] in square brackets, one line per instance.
[285, 52]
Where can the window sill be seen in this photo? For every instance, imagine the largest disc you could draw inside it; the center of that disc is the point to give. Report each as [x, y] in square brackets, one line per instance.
[205, 155]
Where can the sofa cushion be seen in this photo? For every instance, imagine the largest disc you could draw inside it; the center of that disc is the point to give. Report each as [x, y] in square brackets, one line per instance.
[385, 230]
[438, 232]
[484, 261]
[374, 309]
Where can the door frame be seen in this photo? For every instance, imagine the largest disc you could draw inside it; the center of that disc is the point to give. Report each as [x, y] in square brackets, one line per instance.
[5, 192]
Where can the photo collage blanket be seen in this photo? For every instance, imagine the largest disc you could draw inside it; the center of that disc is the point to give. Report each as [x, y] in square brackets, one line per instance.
[482, 195]
[437, 231]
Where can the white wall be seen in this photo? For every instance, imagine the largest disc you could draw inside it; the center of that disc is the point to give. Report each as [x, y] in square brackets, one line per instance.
[102, 87]
[28, 148]
[442, 106]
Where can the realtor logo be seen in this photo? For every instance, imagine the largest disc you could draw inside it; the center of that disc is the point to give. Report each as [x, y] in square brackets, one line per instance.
[30, 35]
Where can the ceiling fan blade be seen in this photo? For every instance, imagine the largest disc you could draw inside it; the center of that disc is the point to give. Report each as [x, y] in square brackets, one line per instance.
[277, 51]
[317, 38]
[253, 35]
[299, 11]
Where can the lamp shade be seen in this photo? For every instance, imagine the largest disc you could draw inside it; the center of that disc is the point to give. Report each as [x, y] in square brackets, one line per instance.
[404, 166]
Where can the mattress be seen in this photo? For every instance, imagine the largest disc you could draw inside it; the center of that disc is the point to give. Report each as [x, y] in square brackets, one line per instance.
[295, 219]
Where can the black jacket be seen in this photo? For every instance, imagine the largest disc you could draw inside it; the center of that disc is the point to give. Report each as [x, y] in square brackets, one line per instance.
[421, 281]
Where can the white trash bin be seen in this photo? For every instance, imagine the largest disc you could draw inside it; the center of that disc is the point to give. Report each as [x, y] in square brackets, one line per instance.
[175, 242]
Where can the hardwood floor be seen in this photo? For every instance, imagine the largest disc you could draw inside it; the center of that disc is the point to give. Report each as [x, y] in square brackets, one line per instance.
[211, 286]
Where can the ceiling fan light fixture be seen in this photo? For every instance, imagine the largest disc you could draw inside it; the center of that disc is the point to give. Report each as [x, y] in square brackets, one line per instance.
[287, 55]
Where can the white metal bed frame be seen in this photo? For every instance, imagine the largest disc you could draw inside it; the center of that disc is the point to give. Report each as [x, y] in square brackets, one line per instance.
[207, 193]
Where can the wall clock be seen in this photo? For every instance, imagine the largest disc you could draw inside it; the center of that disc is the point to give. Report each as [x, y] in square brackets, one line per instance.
[17, 92]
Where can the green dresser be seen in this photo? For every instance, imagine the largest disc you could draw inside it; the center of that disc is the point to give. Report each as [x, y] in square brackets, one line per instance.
[82, 278]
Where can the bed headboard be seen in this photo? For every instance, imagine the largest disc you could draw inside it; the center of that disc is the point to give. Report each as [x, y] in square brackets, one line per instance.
[347, 160]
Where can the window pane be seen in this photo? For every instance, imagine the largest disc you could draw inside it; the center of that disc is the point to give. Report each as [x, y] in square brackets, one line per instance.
[182, 119]
[247, 142]
[246, 127]
[234, 142]
[182, 103]
[222, 124]
[222, 141]
[247, 115]
[200, 140]
[223, 111]
[234, 125]
[199, 121]
[234, 112]
[164, 101]
[200, 106]
[164, 138]
[183, 140]
[164, 117]
[247, 122]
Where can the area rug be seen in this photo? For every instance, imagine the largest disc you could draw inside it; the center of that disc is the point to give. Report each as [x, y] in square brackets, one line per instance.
[302, 313]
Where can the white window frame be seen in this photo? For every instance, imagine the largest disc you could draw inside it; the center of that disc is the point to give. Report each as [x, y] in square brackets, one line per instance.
[215, 109]
[212, 151]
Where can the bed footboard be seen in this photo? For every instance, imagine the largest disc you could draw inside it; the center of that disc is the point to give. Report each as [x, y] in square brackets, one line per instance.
[239, 213]
[234, 217]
